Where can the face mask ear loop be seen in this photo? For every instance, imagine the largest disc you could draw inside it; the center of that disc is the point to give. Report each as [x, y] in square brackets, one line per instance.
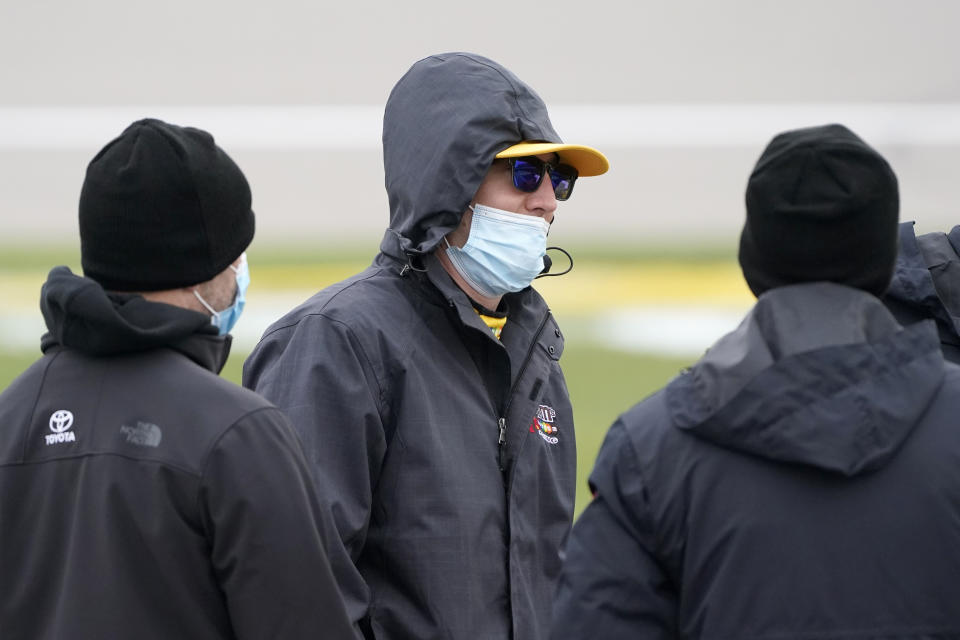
[204, 303]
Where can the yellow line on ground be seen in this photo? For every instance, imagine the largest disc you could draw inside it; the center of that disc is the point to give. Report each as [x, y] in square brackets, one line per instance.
[590, 286]
[596, 286]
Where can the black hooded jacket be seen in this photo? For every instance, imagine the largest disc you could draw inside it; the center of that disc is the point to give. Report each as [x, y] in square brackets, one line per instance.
[400, 391]
[801, 481]
[143, 496]
[926, 284]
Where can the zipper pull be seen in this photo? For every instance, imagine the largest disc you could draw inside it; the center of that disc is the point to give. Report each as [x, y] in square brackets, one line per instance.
[502, 422]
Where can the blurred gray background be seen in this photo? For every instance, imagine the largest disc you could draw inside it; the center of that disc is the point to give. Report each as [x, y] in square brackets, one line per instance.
[682, 96]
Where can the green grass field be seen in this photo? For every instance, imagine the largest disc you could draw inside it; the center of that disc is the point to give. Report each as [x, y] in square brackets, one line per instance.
[602, 382]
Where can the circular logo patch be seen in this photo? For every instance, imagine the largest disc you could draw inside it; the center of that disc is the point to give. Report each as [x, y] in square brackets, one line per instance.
[60, 421]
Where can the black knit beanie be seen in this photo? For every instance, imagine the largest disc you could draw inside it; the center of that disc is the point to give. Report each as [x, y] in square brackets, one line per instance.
[162, 207]
[821, 205]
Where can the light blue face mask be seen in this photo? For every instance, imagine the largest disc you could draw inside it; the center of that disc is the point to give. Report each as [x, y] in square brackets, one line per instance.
[226, 319]
[504, 251]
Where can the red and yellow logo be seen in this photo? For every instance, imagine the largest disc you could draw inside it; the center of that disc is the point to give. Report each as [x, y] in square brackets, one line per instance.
[543, 424]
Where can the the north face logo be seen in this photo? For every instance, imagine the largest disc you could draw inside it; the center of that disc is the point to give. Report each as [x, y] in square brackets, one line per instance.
[60, 423]
[543, 424]
[144, 434]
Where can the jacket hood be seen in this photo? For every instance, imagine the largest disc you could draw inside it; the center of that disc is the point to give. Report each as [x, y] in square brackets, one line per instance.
[444, 122]
[81, 315]
[818, 374]
[926, 283]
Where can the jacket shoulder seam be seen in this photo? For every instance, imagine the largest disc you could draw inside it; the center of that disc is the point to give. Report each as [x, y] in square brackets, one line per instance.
[319, 312]
[216, 441]
[33, 410]
[202, 473]
[92, 454]
[637, 465]
[361, 352]
[367, 360]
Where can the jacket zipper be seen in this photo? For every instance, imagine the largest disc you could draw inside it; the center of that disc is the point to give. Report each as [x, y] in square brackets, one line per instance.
[501, 451]
[502, 420]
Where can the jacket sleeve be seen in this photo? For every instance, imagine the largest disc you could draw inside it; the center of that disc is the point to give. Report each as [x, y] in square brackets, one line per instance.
[612, 585]
[265, 530]
[317, 373]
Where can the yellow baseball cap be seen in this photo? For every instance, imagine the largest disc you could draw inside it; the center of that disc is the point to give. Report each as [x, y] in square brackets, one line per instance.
[586, 160]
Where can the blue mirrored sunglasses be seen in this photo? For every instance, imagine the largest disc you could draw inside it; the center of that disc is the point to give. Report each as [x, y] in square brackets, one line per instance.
[528, 171]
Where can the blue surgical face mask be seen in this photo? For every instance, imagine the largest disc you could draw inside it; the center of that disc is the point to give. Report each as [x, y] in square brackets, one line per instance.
[226, 319]
[504, 251]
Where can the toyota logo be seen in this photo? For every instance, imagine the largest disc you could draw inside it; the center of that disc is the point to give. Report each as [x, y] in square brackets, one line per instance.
[60, 421]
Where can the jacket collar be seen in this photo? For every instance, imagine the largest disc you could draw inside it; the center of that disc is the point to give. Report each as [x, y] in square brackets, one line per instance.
[81, 315]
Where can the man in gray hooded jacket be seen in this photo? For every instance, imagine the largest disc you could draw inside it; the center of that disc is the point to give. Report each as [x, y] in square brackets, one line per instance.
[801, 480]
[427, 389]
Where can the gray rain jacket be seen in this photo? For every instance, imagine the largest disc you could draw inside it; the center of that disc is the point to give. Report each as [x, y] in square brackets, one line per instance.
[926, 284]
[399, 390]
[801, 481]
[142, 496]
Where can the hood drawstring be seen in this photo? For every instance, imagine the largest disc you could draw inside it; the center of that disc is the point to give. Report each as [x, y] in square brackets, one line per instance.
[409, 266]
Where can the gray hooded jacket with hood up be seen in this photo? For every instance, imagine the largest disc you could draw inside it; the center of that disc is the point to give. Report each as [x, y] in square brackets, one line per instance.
[399, 390]
[801, 481]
